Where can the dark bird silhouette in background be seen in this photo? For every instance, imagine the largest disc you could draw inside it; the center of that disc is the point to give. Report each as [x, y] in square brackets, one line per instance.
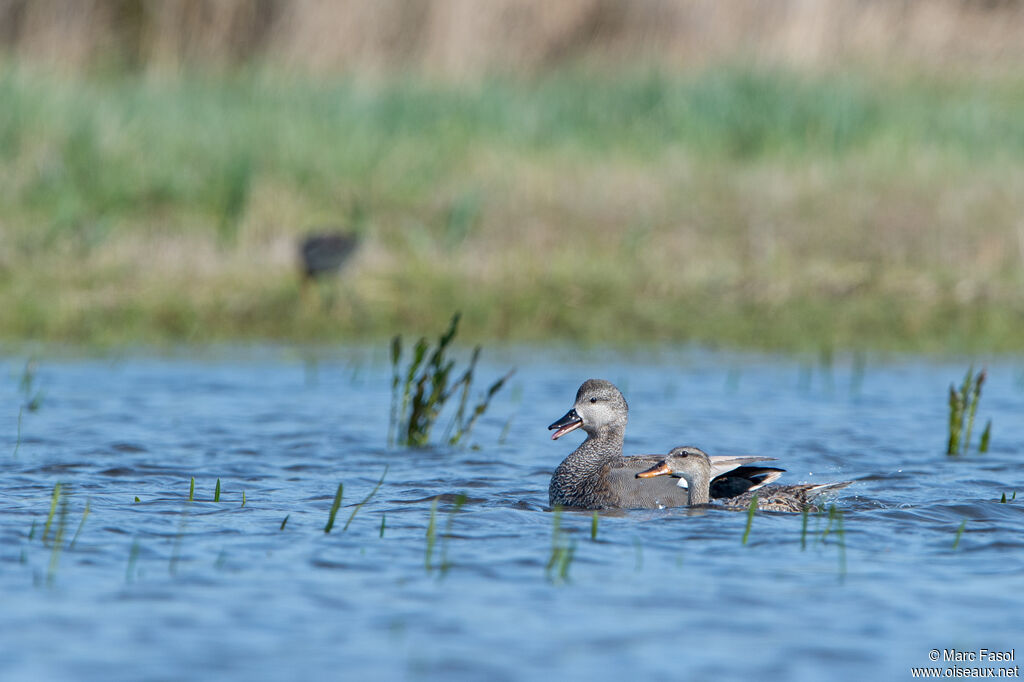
[323, 254]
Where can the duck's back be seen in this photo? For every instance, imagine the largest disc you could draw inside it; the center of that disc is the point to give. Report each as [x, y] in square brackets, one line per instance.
[785, 498]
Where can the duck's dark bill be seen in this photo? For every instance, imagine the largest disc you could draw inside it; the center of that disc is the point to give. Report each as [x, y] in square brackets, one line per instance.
[661, 469]
[570, 421]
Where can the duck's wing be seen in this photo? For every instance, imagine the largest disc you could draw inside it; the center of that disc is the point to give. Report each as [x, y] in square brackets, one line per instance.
[732, 476]
[721, 464]
[743, 479]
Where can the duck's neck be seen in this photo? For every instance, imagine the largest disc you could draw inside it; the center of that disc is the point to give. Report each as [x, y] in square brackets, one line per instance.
[576, 481]
[592, 454]
[698, 485]
[600, 446]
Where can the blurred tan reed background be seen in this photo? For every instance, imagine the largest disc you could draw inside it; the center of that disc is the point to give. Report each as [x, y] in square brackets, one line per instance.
[464, 38]
[772, 173]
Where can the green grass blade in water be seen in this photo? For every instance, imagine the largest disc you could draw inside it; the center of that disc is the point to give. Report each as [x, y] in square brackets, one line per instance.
[959, 532]
[750, 518]
[334, 509]
[842, 541]
[986, 436]
[396, 382]
[81, 524]
[481, 407]
[17, 443]
[431, 536]
[366, 499]
[427, 388]
[460, 501]
[565, 561]
[955, 421]
[58, 540]
[54, 500]
[172, 565]
[972, 407]
[133, 557]
[556, 523]
[804, 513]
[457, 427]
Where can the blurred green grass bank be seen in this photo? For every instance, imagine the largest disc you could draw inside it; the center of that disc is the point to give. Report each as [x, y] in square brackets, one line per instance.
[737, 201]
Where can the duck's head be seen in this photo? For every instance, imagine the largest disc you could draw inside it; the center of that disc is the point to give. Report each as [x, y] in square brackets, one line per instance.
[599, 408]
[685, 463]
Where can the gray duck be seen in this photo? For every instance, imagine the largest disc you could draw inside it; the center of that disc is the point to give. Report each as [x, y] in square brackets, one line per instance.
[693, 465]
[598, 476]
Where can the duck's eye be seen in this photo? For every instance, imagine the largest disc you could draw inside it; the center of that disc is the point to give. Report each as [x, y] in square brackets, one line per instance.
[593, 400]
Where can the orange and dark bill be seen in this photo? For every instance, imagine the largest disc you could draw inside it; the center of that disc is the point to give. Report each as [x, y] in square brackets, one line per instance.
[659, 469]
[567, 423]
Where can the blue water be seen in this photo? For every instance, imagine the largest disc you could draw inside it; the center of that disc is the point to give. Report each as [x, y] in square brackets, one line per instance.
[164, 589]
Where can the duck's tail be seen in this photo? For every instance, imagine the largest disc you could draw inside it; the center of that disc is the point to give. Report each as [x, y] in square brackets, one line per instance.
[812, 490]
